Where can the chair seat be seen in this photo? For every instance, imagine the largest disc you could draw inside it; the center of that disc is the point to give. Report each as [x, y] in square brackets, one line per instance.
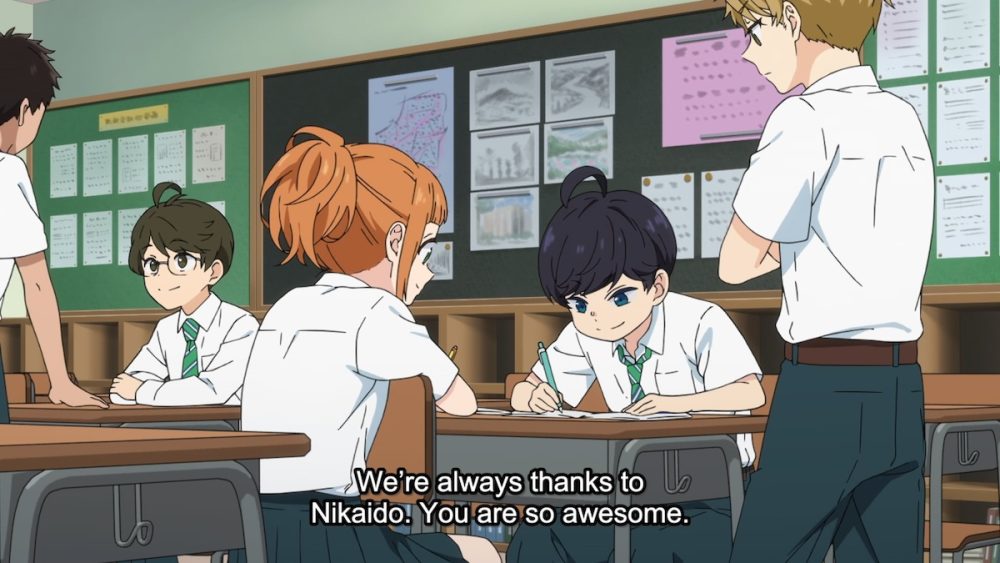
[957, 536]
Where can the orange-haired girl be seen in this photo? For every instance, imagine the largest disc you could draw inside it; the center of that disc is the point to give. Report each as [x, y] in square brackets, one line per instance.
[367, 215]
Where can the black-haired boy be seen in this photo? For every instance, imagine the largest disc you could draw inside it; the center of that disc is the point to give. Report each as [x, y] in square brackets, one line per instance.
[29, 82]
[608, 256]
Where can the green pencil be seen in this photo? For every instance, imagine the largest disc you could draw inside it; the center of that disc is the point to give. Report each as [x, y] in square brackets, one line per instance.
[543, 357]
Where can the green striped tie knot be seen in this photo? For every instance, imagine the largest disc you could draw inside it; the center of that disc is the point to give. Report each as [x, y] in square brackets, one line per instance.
[189, 367]
[634, 368]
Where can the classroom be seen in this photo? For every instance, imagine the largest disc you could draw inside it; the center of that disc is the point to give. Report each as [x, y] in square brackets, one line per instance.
[578, 147]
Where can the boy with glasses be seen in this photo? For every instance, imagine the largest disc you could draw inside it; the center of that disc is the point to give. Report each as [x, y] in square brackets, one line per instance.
[198, 355]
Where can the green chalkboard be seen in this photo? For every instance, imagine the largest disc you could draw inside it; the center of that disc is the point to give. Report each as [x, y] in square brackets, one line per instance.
[337, 98]
[970, 270]
[108, 286]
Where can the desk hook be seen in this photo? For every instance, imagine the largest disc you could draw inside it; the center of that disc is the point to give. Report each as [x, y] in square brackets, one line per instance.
[676, 483]
[142, 531]
[965, 456]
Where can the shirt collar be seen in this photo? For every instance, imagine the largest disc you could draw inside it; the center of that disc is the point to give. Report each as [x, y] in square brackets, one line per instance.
[334, 280]
[653, 339]
[849, 77]
[204, 315]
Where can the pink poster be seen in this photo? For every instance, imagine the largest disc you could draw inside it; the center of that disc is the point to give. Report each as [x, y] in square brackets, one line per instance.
[710, 94]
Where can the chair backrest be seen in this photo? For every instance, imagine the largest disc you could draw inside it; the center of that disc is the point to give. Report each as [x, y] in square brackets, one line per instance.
[42, 385]
[961, 388]
[768, 382]
[405, 437]
[592, 401]
[19, 388]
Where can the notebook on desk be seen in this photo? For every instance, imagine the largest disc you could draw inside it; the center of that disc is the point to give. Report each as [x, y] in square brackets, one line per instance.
[588, 415]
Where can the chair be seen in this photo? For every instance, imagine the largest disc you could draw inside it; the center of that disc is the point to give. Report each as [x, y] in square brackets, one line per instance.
[19, 388]
[405, 438]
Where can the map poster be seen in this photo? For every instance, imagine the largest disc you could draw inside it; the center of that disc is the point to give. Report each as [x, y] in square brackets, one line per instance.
[415, 113]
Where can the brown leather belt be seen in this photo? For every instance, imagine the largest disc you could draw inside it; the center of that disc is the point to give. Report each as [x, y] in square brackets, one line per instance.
[843, 352]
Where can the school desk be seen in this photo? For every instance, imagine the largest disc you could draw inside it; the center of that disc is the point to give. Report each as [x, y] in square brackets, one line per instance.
[192, 418]
[688, 452]
[44, 470]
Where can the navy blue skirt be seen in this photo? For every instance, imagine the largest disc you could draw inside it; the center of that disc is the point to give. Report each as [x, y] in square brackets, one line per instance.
[4, 410]
[290, 538]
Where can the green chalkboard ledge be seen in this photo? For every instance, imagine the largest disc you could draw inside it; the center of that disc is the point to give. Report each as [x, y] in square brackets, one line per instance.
[497, 337]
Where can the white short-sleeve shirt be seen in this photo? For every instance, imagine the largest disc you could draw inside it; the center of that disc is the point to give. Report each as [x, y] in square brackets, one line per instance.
[21, 230]
[321, 365]
[844, 180]
[695, 348]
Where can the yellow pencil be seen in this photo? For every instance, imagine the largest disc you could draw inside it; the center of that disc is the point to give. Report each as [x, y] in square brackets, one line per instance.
[452, 352]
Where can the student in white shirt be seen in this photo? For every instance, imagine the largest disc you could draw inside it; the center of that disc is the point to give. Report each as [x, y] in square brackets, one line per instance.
[29, 82]
[367, 215]
[608, 257]
[840, 196]
[198, 355]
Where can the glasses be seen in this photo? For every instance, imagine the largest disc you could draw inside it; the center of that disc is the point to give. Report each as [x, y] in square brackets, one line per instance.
[179, 265]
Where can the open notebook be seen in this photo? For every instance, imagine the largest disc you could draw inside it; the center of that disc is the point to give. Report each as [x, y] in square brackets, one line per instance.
[586, 415]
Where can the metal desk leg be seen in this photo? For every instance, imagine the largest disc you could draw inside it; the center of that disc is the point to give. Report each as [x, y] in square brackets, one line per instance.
[630, 453]
[29, 506]
[937, 439]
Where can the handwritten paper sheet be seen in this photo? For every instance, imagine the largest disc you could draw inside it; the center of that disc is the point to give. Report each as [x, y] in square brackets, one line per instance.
[916, 96]
[127, 218]
[903, 39]
[62, 241]
[97, 167]
[963, 216]
[710, 94]
[208, 154]
[97, 238]
[220, 205]
[133, 164]
[600, 415]
[170, 157]
[674, 194]
[718, 189]
[963, 121]
[963, 35]
[62, 178]
[415, 113]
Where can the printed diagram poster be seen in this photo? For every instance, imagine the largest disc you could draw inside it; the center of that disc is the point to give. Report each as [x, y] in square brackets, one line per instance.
[415, 113]
[710, 94]
[504, 158]
[505, 96]
[580, 86]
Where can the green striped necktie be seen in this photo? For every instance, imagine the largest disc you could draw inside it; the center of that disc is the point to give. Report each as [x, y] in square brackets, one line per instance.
[634, 370]
[189, 367]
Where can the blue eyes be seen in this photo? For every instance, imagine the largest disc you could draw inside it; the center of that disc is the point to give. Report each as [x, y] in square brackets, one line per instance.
[620, 299]
[580, 306]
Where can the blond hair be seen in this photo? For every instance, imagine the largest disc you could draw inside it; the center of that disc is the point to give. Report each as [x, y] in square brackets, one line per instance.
[840, 23]
[334, 203]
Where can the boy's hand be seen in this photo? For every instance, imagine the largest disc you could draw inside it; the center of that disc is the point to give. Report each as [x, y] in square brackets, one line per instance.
[126, 386]
[73, 396]
[651, 404]
[544, 398]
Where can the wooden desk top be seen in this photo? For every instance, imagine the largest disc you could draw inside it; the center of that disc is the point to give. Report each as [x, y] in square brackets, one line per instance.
[698, 425]
[25, 447]
[118, 414]
[937, 414]
[500, 425]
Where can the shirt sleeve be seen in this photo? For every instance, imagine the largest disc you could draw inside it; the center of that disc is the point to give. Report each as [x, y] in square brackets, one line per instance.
[571, 368]
[391, 345]
[220, 379]
[775, 197]
[150, 364]
[22, 231]
[721, 353]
